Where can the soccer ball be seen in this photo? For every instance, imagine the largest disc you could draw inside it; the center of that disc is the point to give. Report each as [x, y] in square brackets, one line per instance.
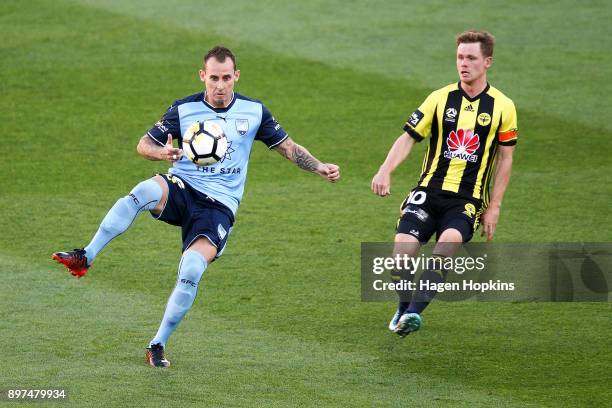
[204, 143]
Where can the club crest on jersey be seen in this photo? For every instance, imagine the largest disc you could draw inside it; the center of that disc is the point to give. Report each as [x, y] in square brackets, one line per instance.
[462, 144]
[484, 119]
[450, 115]
[242, 126]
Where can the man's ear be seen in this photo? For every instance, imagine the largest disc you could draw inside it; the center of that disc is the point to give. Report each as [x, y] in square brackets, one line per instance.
[488, 62]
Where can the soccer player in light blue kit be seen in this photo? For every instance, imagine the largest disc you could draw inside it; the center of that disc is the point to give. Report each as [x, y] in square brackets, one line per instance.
[203, 200]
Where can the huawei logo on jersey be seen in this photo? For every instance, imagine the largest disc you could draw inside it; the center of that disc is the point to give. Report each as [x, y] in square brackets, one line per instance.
[462, 145]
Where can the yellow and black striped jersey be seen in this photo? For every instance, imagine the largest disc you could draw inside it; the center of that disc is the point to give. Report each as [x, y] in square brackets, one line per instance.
[465, 133]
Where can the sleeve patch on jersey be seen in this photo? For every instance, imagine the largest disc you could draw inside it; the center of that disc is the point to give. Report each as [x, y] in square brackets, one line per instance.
[162, 125]
[415, 118]
[509, 135]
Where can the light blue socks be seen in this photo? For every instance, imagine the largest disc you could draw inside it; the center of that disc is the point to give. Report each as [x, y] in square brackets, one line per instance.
[144, 196]
[191, 269]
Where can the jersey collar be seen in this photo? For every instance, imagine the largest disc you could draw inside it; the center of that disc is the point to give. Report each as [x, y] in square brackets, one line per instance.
[466, 96]
[219, 110]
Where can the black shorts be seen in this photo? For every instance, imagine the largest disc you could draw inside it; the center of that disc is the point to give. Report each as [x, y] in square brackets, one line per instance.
[426, 211]
[197, 214]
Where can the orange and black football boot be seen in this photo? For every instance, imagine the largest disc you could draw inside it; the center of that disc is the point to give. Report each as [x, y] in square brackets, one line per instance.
[75, 261]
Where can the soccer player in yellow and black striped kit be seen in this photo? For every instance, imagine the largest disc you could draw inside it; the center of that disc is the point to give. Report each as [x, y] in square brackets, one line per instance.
[472, 131]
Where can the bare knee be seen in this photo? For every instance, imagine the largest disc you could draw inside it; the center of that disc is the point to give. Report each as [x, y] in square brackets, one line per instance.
[164, 198]
[205, 248]
[406, 244]
[451, 235]
[448, 242]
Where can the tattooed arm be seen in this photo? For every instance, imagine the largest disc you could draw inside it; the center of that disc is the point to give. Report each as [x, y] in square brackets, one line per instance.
[150, 150]
[304, 160]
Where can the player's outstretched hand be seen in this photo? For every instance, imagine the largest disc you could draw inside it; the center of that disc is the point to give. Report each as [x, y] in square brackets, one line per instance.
[171, 153]
[329, 171]
[381, 184]
[489, 221]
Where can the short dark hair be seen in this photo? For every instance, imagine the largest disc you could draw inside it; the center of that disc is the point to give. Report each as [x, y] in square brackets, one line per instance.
[220, 53]
[485, 38]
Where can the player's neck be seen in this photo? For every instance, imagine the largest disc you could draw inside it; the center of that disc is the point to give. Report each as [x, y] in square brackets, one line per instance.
[474, 88]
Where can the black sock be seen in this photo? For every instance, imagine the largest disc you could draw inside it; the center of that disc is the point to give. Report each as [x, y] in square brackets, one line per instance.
[404, 295]
[422, 297]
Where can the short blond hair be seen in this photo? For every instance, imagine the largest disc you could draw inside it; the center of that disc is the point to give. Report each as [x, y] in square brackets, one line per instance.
[485, 38]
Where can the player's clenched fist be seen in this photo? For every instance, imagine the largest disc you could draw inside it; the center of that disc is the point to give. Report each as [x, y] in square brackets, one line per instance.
[329, 171]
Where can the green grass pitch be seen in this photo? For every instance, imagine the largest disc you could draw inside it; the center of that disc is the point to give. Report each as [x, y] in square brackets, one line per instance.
[278, 320]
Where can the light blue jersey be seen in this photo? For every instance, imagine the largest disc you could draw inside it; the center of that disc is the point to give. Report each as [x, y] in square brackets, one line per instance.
[244, 120]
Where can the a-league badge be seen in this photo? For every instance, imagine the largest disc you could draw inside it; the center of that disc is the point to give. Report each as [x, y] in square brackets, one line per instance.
[242, 126]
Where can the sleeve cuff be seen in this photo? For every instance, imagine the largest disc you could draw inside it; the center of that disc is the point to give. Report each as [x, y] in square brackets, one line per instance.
[154, 139]
[508, 143]
[273, 145]
[413, 133]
